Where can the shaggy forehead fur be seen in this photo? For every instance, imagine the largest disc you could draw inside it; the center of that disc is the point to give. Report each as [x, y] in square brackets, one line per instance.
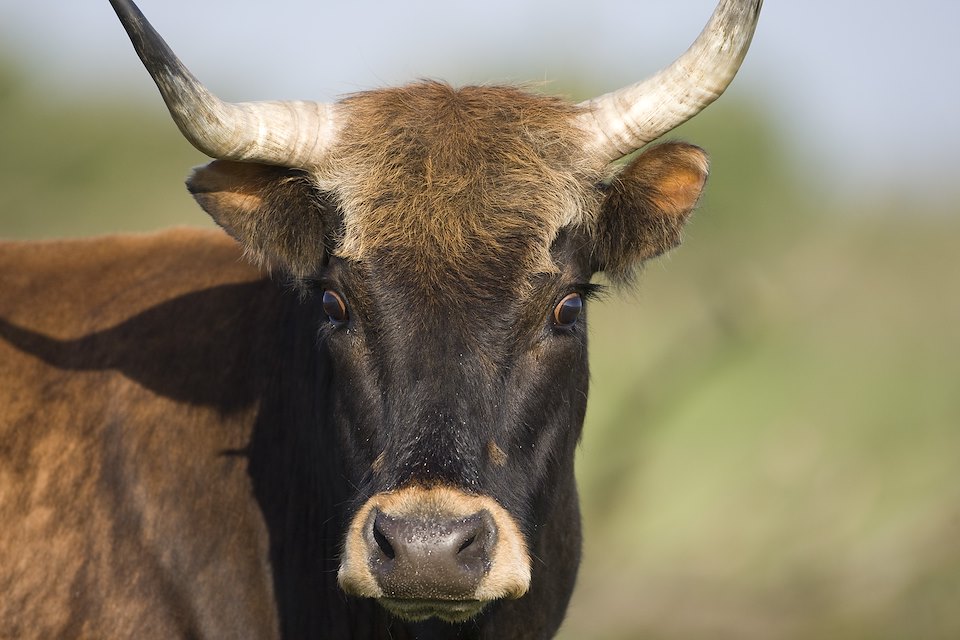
[451, 180]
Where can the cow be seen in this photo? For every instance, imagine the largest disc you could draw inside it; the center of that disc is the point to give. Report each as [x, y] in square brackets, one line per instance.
[354, 414]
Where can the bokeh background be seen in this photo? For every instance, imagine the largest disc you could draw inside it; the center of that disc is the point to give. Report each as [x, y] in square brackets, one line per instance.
[773, 438]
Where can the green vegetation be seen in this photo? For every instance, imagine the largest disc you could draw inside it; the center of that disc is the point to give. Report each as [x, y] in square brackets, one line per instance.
[773, 440]
[103, 166]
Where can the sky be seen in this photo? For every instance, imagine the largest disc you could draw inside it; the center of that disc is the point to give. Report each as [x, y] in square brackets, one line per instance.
[868, 92]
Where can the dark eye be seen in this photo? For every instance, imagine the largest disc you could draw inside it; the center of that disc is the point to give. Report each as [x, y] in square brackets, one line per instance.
[335, 308]
[567, 311]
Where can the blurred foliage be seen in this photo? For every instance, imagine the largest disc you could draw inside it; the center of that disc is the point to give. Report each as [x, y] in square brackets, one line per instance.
[772, 443]
[86, 168]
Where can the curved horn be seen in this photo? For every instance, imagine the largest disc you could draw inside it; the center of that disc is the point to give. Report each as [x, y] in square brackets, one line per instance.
[292, 134]
[622, 121]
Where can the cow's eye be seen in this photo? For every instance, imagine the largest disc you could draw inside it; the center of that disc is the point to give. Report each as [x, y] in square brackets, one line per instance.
[567, 311]
[335, 308]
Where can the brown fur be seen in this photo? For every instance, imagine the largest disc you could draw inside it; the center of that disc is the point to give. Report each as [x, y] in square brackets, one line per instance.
[497, 455]
[274, 212]
[86, 486]
[646, 207]
[458, 176]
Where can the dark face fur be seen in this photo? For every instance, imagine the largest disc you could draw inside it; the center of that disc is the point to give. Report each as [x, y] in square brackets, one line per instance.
[479, 398]
[448, 392]
[451, 238]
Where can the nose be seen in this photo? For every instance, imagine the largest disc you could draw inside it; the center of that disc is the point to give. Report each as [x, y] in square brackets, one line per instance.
[430, 558]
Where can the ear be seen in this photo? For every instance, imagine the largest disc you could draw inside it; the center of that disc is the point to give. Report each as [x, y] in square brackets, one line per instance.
[274, 212]
[646, 207]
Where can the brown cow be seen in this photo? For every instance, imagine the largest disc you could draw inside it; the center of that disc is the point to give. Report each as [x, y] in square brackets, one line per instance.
[371, 432]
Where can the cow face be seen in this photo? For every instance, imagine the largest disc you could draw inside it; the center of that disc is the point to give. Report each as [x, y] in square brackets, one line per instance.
[449, 239]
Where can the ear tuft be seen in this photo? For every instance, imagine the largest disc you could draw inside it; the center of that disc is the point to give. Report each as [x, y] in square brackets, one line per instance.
[646, 207]
[274, 212]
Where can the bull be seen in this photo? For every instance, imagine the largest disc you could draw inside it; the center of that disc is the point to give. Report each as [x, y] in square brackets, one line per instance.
[367, 428]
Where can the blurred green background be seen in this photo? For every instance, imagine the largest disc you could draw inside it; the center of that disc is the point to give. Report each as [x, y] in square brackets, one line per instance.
[772, 447]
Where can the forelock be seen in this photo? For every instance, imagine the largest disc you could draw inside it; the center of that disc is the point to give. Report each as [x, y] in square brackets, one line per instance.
[447, 179]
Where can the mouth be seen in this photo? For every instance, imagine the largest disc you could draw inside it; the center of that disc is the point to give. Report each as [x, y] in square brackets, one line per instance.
[415, 610]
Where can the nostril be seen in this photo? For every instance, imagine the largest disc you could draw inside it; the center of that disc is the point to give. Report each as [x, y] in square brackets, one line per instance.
[381, 538]
[471, 542]
[467, 543]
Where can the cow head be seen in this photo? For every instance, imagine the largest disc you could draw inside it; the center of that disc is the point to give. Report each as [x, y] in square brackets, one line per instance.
[450, 237]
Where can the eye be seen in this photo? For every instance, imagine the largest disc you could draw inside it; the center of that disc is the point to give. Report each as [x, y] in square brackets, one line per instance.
[567, 311]
[335, 308]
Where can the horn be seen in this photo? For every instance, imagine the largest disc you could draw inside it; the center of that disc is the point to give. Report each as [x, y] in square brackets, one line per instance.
[291, 134]
[622, 121]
